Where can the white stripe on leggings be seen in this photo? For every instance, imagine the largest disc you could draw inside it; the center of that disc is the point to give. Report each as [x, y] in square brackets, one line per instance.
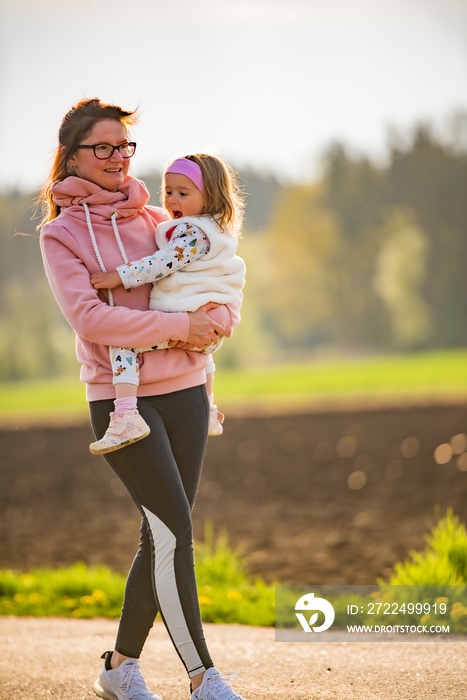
[166, 587]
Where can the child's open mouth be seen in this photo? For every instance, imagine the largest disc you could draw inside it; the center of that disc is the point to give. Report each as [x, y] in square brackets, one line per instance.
[177, 214]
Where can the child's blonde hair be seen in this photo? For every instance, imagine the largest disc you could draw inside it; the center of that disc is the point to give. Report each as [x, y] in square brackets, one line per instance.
[223, 196]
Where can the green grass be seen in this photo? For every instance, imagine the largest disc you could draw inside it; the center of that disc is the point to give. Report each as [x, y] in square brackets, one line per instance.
[443, 561]
[226, 593]
[394, 377]
[439, 572]
[76, 591]
[414, 374]
[56, 399]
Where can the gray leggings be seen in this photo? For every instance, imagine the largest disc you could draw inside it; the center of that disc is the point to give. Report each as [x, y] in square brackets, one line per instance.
[161, 473]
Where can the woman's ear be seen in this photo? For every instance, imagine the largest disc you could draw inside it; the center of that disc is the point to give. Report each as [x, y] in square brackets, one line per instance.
[71, 160]
[70, 163]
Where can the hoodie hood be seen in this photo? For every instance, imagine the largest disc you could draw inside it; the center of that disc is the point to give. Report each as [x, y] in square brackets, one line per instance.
[127, 202]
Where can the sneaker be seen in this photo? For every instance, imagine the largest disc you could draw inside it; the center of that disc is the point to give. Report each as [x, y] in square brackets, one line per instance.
[123, 683]
[124, 428]
[216, 686]
[215, 426]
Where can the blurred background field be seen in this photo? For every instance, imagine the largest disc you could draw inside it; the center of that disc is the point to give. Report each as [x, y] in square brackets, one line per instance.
[345, 385]
[404, 378]
[367, 259]
[325, 494]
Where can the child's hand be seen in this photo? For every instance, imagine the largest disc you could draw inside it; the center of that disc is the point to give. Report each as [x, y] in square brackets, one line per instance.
[105, 280]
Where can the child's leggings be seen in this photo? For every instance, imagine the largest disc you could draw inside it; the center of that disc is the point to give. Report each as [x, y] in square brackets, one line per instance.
[161, 473]
[124, 361]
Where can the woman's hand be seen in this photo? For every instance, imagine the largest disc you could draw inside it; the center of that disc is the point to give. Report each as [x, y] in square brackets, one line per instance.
[181, 345]
[105, 280]
[203, 329]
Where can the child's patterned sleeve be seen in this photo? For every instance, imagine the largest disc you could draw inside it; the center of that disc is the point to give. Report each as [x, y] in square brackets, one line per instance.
[187, 243]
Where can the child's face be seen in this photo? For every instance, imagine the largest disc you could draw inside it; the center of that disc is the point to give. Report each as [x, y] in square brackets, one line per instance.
[181, 196]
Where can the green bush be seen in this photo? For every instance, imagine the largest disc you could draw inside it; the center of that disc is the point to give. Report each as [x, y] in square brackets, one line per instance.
[444, 560]
[226, 592]
[436, 574]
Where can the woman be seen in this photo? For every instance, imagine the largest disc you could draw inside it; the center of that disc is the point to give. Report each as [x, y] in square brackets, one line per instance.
[97, 216]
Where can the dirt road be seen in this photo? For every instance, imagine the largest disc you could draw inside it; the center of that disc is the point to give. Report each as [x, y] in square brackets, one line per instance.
[59, 658]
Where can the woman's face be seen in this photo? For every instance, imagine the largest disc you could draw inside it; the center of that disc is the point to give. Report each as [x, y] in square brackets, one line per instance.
[110, 173]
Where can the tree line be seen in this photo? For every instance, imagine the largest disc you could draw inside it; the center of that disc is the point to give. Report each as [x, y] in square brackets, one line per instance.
[369, 257]
[373, 257]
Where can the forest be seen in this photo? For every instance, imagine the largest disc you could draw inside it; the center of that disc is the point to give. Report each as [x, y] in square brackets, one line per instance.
[369, 257]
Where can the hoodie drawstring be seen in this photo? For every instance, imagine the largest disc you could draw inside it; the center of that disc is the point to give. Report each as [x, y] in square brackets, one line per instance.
[113, 219]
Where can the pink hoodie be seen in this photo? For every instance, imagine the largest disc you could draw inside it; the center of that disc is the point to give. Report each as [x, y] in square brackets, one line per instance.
[70, 259]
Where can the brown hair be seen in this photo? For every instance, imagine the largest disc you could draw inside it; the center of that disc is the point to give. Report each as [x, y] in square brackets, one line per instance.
[223, 196]
[75, 126]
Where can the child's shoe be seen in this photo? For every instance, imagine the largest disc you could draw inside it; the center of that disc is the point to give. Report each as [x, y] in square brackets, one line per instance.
[124, 428]
[215, 426]
[123, 683]
[215, 686]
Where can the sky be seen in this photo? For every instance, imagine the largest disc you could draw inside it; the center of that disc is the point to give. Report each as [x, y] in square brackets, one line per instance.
[268, 84]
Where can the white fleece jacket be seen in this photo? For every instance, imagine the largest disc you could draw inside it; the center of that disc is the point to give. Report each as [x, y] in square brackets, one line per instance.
[217, 276]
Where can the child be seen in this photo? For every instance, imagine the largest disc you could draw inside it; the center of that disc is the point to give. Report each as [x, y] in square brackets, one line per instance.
[201, 193]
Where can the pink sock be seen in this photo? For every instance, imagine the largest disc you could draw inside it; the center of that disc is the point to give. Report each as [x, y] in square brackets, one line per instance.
[127, 403]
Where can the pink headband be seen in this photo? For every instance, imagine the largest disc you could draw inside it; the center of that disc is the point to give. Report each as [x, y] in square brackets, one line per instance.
[184, 166]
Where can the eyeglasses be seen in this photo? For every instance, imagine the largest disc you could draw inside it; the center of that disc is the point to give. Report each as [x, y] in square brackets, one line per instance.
[102, 151]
